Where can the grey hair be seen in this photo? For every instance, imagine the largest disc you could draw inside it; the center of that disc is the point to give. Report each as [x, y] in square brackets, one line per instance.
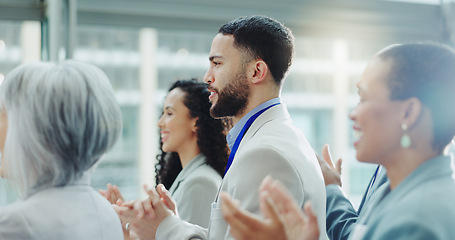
[62, 118]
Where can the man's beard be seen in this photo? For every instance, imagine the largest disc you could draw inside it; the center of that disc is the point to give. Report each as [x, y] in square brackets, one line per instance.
[232, 99]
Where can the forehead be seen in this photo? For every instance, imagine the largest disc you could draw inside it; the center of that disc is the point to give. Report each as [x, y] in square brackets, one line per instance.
[375, 76]
[174, 98]
[223, 47]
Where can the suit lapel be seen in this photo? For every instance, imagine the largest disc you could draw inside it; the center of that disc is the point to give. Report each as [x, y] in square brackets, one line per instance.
[275, 112]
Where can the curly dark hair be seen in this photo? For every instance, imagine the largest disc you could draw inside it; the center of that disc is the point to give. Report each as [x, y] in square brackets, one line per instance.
[211, 137]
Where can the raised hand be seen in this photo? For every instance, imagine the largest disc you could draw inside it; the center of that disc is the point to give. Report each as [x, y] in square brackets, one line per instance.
[245, 225]
[331, 173]
[297, 225]
[126, 215]
[146, 215]
[167, 198]
[283, 217]
[112, 194]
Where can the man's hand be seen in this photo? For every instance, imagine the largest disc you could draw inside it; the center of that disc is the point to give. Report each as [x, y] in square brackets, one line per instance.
[331, 173]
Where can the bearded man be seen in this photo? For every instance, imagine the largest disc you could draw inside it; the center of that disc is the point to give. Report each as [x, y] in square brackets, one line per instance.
[249, 59]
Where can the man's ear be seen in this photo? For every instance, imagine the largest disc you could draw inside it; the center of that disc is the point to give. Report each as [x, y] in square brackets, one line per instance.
[260, 71]
[412, 110]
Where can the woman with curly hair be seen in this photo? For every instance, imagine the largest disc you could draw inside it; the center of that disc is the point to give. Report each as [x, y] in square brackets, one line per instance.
[193, 154]
[194, 150]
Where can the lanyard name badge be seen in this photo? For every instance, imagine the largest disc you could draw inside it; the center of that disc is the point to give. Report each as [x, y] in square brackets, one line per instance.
[242, 133]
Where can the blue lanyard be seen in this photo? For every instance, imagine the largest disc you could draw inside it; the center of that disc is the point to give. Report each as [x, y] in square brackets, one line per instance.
[242, 133]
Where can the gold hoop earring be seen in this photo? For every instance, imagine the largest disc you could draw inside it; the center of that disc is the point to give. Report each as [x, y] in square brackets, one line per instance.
[405, 139]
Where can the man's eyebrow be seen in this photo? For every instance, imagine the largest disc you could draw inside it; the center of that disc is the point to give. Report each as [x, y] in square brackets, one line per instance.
[211, 58]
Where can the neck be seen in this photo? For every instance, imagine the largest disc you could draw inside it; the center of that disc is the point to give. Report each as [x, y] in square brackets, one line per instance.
[256, 98]
[404, 163]
[188, 152]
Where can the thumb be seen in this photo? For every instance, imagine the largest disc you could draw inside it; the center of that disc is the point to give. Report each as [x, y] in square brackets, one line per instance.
[268, 208]
[309, 213]
[166, 197]
[102, 192]
[326, 155]
[338, 165]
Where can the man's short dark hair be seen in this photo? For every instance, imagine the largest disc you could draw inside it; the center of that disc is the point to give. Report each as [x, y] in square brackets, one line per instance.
[263, 38]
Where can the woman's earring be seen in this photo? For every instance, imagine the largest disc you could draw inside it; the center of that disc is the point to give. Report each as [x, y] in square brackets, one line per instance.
[405, 140]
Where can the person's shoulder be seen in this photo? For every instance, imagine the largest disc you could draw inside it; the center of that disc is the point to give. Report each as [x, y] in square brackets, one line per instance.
[204, 174]
[280, 129]
[13, 219]
[281, 137]
[414, 218]
[430, 202]
[406, 226]
[433, 198]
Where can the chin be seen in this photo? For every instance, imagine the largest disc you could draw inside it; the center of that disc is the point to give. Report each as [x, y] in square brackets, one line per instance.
[164, 149]
[360, 157]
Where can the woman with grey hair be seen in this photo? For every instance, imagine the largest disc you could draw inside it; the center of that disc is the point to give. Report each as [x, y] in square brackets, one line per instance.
[56, 122]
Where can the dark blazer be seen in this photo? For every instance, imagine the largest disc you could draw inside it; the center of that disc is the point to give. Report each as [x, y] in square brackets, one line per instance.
[340, 214]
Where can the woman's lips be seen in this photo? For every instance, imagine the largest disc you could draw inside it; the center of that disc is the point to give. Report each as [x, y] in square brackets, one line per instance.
[357, 136]
[164, 136]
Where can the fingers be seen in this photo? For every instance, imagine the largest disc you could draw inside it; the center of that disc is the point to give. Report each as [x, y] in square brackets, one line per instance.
[240, 222]
[282, 199]
[120, 202]
[144, 208]
[308, 210]
[102, 192]
[265, 185]
[166, 197]
[326, 155]
[112, 194]
[268, 208]
[116, 193]
[124, 212]
[338, 165]
[129, 204]
[149, 190]
[311, 223]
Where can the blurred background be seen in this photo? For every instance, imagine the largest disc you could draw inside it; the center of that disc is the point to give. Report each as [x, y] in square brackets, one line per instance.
[145, 45]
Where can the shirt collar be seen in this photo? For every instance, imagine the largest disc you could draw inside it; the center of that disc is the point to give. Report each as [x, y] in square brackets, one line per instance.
[235, 131]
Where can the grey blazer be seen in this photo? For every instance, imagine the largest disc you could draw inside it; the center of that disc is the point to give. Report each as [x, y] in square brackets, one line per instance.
[73, 212]
[271, 146]
[420, 207]
[194, 190]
